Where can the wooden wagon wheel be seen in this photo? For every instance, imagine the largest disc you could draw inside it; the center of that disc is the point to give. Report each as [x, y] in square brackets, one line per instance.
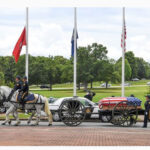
[125, 114]
[72, 112]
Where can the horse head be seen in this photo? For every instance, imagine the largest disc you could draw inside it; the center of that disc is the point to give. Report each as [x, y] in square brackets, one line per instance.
[4, 92]
[2, 97]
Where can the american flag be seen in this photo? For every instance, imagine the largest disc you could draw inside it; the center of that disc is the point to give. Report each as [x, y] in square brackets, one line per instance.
[123, 39]
[112, 101]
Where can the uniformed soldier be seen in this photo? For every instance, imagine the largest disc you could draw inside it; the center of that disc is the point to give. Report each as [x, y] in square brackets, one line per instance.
[24, 89]
[90, 95]
[17, 86]
[146, 113]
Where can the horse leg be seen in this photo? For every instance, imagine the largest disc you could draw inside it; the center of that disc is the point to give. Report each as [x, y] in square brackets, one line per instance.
[7, 120]
[17, 118]
[30, 118]
[38, 111]
[50, 119]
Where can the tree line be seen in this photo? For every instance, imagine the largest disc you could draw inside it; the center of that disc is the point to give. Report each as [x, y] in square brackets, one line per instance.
[93, 65]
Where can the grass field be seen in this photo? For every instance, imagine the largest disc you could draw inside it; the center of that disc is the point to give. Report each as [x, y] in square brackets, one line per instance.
[139, 91]
[95, 84]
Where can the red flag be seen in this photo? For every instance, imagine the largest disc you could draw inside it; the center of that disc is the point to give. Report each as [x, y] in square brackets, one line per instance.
[21, 41]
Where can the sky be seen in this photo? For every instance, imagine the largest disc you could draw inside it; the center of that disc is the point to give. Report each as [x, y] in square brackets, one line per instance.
[50, 30]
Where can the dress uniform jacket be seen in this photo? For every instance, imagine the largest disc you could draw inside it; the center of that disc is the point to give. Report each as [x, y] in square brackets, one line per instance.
[18, 86]
[147, 113]
[25, 87]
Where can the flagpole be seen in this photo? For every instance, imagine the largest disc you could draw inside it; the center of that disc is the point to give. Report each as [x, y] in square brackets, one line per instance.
[75, 55]
[27, 45]
[123, 53]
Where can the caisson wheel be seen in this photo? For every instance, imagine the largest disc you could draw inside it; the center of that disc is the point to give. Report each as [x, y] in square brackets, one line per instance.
[72, 112]
[125, 114]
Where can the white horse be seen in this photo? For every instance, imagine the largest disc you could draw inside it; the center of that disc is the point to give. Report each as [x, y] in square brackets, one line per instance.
[39, 104]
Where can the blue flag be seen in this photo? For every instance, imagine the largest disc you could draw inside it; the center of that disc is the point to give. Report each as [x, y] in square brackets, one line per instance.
[72, 43]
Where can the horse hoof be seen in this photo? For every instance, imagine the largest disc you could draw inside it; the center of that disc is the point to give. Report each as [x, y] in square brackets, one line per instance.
[49, 124]
[9, 122]
[3, 123]
[34, 124]
[17, 124]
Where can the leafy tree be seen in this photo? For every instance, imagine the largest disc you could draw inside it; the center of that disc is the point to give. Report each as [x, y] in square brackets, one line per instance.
[89, 60]
[133, 64]
[84, 66]
[107, 72]
[118, 67]
[2, 81]
[141, 71]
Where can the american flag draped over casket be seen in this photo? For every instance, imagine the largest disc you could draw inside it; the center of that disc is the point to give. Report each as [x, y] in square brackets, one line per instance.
[112, 101]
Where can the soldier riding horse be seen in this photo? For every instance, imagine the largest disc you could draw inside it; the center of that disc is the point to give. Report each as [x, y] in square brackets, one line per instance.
[34, 102]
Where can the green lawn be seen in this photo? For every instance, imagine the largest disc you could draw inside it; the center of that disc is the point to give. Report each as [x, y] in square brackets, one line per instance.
[95, 84]
[139, 92]
[21, 116]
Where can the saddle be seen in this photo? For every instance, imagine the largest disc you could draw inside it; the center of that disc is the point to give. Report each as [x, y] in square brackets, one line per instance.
[30, 98]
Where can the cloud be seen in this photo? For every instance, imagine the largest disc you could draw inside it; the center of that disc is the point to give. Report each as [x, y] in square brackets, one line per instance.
[49, 39]
[50, 30]
[140, 45]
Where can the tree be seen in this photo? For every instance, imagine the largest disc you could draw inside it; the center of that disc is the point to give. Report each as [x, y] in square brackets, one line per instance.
[67, 72]
[84, 66]
[141, 71]
[133, 64]
[2, 81]
[118, 67]
[107, 72]
[50, 72]
[98, 54]
[89, 59]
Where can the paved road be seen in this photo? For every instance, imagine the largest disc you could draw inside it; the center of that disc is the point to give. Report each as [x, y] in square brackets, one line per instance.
[87, 134]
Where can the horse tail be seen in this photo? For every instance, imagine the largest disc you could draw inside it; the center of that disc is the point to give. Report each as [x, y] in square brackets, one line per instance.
[48, 112]
[46, 108]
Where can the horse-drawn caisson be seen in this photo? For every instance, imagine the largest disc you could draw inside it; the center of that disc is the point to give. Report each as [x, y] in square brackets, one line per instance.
[120, 111]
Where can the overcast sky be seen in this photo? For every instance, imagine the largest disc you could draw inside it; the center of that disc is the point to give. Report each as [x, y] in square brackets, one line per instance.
[50, 30]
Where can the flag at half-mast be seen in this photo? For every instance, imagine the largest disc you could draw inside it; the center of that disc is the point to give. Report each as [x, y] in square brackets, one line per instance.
[72, 43]
[123, 36]
[21, 41]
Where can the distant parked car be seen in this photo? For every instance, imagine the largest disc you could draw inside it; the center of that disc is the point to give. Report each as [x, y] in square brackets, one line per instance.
[143, 79]
[91, 107]
[148, 83]
[135, 79]
[127, 84]
[104, 85]
[44, 86]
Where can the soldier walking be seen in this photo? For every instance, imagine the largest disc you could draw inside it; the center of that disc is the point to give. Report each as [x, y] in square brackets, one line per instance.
[147, 109]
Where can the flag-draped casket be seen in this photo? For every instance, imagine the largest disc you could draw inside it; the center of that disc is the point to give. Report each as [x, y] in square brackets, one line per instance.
[112, 101]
